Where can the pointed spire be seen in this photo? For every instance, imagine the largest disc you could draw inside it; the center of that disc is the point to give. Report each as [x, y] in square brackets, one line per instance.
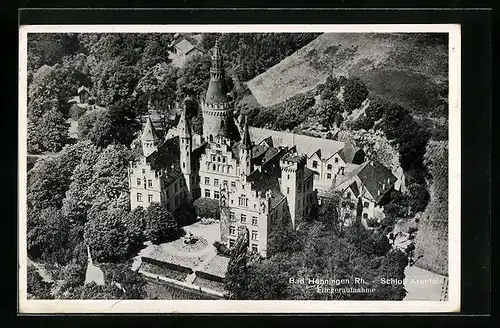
[149, 132]
[183, 125]
[246, 142]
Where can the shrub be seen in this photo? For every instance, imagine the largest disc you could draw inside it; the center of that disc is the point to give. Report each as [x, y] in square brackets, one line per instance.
[222, 249]
[363, 122]
[419, 198]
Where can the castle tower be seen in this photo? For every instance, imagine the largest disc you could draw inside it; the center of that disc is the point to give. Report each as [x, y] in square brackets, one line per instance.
[149, 139]
[246, 152]
[218, 106]
[186, 148]
[292, 175]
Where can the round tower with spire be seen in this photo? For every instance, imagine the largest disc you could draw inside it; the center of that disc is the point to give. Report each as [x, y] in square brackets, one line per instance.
[149, 138]
[218, 106]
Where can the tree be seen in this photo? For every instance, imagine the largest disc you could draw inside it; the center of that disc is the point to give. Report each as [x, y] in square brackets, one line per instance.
[237, 274]
[159, 83]
[47, 183]
[328, 111]
[49, 133]
[194, 77]
[418, 198]
[113, 82]
[51, 84]
[37, 288]
[362, 122]
[93, 291]
[47, 235]
[106, 235]
[355, 92]
[130, 282]
[207, 207]
[134, 222]
[159, 223]
[115, 125]
[50, 48]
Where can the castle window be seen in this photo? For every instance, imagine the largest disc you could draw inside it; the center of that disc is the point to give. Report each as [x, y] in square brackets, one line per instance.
[216, 182]
[214, 167]
[243, 201]
[216, 194]
[365, 216]
[232, 230]
[255, 248]
[139, 197]
[207, 193]
[143, 171]
[150, 198]
[227, 169]
[365, 205]
[232, 217]
[207, 181]
[233, 184]
[138, 181]
[231, 243]
[328, 175]
[150, 183]
[315, 164]
[224, 183]
[213, 158]
[329, 167]
[224, 159]
[218, 158]
[254, 220]
[336, 159]
[243, 218]
[218, 168]
[183, 165]
[288, 176]
[254, 234]
[287, 190]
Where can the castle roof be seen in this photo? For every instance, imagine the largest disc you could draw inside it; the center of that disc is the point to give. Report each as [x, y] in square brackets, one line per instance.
[149, 132]
[183, 125]
[217, 88]
[304, 144]
[246, 142]
[375, 178]
[186, 46]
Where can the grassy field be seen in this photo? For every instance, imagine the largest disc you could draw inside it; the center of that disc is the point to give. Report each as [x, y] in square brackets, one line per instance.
[432, 238]
[409, 70]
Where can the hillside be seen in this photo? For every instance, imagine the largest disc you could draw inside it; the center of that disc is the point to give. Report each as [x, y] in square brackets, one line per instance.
[409, 69]
[432, 238]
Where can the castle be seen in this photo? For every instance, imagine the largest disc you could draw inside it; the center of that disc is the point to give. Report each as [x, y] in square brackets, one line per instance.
[258, 176]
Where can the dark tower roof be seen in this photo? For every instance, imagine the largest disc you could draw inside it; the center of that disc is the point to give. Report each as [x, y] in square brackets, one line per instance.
[217, 88]
[246, 142]
[183, 125]
[149, 132]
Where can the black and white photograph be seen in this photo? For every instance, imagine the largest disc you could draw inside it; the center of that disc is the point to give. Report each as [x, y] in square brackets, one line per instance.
[211, 164]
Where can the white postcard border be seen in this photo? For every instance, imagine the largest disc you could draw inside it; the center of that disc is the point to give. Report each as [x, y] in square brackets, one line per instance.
[26, 306]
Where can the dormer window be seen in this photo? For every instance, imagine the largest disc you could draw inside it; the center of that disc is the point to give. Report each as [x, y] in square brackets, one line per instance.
[315, 164]
[336, 159]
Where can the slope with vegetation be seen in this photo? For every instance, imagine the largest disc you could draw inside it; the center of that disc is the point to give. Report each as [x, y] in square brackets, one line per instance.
[409, 69]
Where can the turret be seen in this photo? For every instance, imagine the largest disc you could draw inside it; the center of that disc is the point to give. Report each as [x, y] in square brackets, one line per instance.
[186, 148]
[218, 106]
[246, 152]
[149, 139]
[292, 175]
